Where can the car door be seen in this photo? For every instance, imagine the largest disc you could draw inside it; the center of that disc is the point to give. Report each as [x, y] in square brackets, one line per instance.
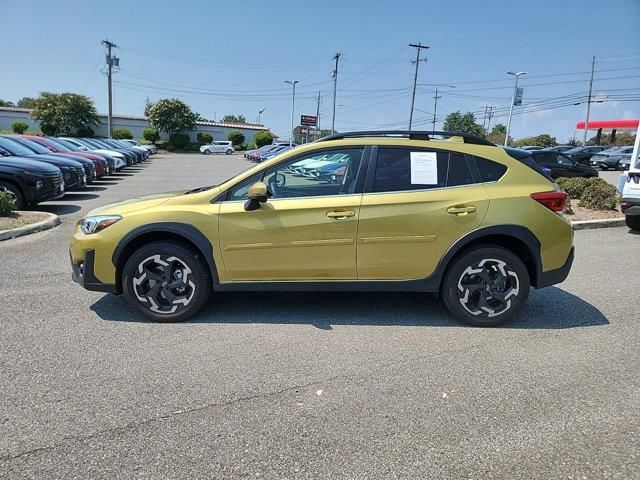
[417, 203]
[305, 231]
[566, 167]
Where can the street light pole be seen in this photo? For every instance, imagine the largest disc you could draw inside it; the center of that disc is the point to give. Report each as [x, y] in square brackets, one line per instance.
[260, 112]
[293, 107]
[513, 99]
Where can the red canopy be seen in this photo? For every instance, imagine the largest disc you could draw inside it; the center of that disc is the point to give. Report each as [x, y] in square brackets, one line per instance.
[609, 125]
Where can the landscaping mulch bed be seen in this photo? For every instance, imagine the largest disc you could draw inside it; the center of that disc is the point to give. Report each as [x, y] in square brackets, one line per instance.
[20, 219]
[581, 213]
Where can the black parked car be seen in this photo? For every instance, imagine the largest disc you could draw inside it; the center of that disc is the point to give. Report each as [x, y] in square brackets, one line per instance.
[558, 148]
[583, 154]
[561, 165]
[72, 171]
[28, 181]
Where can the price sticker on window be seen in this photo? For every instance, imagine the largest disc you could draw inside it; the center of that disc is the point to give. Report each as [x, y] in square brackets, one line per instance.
[424, 168]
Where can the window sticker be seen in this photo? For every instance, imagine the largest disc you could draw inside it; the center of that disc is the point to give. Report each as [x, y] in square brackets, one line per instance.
[424, 168]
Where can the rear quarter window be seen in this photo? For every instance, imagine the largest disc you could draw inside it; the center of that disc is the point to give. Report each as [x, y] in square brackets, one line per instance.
[490, 171]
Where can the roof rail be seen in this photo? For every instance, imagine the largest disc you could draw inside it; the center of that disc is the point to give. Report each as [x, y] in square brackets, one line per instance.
[411, 134]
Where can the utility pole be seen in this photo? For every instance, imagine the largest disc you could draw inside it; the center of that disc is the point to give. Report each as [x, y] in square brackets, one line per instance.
[318, 116]
[435, 109]
[111, 61]
[586, 126]
[484, 118]
[293, 107]
[260, 112]
[513, 101]
[489, 118]
[418, 46]
[336, 57]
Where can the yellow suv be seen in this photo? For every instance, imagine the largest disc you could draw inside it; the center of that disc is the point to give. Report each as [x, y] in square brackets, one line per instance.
[450, 214]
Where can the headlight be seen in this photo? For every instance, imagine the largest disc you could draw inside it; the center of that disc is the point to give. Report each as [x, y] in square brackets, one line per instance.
[90, 225]
[39, 184]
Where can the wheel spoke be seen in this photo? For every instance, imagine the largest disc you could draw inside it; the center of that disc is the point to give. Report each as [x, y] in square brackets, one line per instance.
[152, 274]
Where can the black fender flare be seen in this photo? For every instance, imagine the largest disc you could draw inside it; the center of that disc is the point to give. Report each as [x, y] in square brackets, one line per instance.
[184, 230]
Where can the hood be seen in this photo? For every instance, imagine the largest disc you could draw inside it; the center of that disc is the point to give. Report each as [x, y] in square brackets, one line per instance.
[58, 160]
[28, 163]
[135, 204]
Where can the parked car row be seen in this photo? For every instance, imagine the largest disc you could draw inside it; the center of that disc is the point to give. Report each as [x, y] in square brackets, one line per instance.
[596, 156]
[34, 169]
[268, 151]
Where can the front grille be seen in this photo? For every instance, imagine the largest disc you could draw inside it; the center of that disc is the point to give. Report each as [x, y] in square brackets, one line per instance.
[54, 179]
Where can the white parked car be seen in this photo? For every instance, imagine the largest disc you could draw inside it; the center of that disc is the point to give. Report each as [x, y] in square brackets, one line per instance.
[151, 148]
[218, 147]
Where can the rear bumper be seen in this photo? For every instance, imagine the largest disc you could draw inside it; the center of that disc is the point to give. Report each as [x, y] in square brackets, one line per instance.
[630, 206]
[559, 275]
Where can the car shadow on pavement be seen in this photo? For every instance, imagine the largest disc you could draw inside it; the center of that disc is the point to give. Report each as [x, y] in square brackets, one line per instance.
[550, 308]
[75, 196]
[58, 209]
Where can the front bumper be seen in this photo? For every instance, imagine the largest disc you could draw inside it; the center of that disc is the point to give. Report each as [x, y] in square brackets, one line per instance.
[82, 272]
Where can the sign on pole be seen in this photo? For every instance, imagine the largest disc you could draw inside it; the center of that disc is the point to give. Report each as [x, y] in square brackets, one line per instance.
[517, 100]
[308, 120]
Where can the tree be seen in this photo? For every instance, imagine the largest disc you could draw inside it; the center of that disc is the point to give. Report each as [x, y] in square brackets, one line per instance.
[236, 137]
[263, 138]
[19, 127]
[64, 113]
[26, 102]
[463, 123]
[172, 116]
[122, 133]
[234, 119]
[497, 134]
[622, 139]
[147, 106]
[204, 138]
[151, 135]
[4, 103]
[544, 140]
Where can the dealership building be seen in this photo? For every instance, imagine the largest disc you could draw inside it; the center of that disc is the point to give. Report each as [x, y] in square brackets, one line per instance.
[135, 124]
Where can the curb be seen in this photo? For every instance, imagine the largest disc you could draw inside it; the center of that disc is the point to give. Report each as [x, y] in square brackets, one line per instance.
[591, 224]
[50, 222]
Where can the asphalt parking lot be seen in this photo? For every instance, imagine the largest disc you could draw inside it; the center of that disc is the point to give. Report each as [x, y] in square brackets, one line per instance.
[314, 385]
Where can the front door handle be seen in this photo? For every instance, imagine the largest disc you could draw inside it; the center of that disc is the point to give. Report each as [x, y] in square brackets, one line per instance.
[461, 210]
[341, 215]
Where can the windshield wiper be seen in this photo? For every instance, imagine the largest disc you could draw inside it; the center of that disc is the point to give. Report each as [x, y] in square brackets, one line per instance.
[199, 189]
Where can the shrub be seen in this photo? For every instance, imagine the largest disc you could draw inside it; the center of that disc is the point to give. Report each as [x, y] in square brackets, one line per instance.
[122, 133]
[151, 135]
[82, 132]
[204, 138]
[263, 138]
[599, 196]
[170, 148]
[179, 140]
[19, 127]
[573, 186]
[192, 147]
[6, 204]
[236, 137]
[162, 145]
[251, 146]
[50, 130]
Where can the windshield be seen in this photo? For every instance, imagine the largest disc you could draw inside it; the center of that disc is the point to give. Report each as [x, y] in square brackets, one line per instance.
[14, 148]
[93, 143]
[69, 145]
[30, 144]
[57, 145]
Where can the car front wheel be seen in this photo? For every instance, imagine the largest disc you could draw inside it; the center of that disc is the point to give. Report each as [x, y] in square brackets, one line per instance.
[229, 152]
[166, 281]
[486, 286]
[207, 152]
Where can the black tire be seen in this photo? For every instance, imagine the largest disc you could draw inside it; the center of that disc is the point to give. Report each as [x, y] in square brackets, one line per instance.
[15, 193]
[467, 285]
[207, 152]
[229, 152]
[146, 282]
[633, 222]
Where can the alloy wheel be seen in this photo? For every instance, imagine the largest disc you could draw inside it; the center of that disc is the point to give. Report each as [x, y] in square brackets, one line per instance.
[488, 287]
[164, 283]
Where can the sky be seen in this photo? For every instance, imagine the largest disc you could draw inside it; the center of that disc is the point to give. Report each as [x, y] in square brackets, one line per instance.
[225, 57]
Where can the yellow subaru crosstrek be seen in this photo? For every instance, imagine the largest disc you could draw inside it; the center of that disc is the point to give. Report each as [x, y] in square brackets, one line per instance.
[458, 216]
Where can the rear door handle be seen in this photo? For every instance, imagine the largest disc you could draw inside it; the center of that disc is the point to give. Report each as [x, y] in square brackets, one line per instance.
[462, 210]
[341, 215]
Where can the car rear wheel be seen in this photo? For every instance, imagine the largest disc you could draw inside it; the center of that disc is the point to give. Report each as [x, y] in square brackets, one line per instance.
[166, 281]
[14, 194]
[207, 152]
[633, 222]
[486, 286]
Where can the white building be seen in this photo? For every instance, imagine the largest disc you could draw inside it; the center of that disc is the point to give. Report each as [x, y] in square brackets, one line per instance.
[135, 124]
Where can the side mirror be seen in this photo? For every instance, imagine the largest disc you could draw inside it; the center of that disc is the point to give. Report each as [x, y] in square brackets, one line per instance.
[256, 195]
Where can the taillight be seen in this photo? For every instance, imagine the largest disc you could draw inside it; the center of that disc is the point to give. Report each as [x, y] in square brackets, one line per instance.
[554, 201]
